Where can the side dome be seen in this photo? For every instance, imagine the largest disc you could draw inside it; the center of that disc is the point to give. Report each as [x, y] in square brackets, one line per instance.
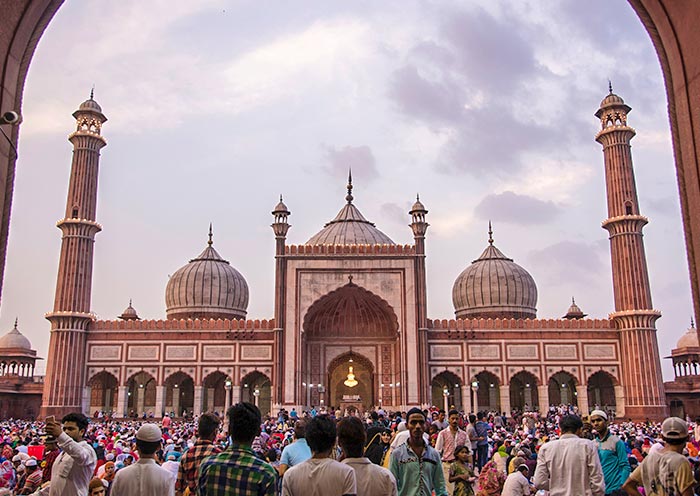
[350, 228]
[494, 286]
[689, 339]
[207, 287]
[15, 339]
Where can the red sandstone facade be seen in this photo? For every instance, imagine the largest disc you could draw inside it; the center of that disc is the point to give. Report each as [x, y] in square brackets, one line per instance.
[351, 301]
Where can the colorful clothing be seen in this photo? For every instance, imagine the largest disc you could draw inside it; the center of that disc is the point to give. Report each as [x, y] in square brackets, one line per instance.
[236, 471]
[191, 459]
[417, 476]
[462, 487]
[491, 480]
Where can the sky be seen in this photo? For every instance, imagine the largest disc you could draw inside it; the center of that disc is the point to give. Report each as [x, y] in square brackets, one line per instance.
[217, 107]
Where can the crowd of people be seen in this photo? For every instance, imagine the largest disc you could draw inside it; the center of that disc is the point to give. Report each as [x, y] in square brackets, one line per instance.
[421, 452]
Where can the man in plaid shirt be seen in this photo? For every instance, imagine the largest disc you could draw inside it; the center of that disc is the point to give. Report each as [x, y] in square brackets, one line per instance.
[237, 471]
[207, 429]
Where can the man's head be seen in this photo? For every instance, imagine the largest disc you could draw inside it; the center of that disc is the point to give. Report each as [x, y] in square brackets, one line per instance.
[148, 439]
[453, 419]
[75, 424]
[351, 436]
[674, 431]
[51, 443]
[31, 465]
[523, 469]
[480, 415]
[570, 424]
[441, 415]
[244, 421]
[599, 421]
[321, 433]
[300, 429]
[415, 422]
[208, 426]
[472, 418]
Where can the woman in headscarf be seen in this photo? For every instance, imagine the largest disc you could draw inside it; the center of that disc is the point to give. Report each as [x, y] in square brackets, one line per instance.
[491, 480]
[378, 447]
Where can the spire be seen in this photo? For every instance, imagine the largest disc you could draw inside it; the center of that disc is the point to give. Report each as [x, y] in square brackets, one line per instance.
[211, 234]
[610, 86]
[92, 92]
[349, 197]
[490, 234]
[16, 319]
[573, 301]
[692, 323]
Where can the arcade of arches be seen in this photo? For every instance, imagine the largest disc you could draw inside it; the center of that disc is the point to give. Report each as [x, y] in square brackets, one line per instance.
[523, 392]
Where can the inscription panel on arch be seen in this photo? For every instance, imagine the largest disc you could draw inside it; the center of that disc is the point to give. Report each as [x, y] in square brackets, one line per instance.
[445, 352]
[484, 351]
[599, 351]
[144, 353]
[523, 352]
[181, 352]
[105, 352]
[256, 352]
[218, 352]
[560, 351]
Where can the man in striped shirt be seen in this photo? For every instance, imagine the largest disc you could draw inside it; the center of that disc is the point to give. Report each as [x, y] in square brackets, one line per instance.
[448, 439]
[207, 429]
[237, 471]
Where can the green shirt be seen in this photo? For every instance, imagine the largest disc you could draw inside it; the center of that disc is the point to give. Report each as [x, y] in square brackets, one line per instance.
[236, 471]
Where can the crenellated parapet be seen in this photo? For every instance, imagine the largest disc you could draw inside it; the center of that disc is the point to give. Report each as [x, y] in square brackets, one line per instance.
[500, 324]
[183, 325]
[351, 249]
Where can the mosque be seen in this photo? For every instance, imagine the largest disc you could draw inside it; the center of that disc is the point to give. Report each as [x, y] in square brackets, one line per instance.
[350, 326]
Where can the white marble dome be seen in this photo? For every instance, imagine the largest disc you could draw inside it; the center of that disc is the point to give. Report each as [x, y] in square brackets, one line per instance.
[15, 339]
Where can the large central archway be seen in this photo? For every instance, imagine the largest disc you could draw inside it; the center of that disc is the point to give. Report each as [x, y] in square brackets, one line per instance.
[351, 382]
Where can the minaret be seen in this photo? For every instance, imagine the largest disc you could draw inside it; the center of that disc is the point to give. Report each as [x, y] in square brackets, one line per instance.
[634, 315]
[65, 374]
[280, 227]
[419, 226]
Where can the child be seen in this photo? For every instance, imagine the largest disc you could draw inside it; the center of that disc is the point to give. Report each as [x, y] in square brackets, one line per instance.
[462, 474]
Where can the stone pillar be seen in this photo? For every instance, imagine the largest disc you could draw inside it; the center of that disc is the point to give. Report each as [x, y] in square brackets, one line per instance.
[122, 401]
[197, 400]
[87, 392]
[140, 400]
[543, 396]
[620, 404]
[504, 392]
[235, 394]
[467, 399]
[582, 400]
[210, 399]
[160, 401]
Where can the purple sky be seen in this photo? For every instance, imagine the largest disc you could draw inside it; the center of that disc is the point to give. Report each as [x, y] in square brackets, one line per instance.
[216, 107]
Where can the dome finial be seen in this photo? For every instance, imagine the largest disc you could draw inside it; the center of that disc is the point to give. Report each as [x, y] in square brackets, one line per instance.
[610, 86]
[92, 92]
[573, 301]
[692, 323]
[349, 197]
[16, 319]
[211, 234]
[280, 197]
[490, 234]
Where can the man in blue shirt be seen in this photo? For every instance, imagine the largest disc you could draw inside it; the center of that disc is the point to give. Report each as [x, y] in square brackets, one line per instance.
[613, 455]
[298, 451]
[482, 440]
[416, 465]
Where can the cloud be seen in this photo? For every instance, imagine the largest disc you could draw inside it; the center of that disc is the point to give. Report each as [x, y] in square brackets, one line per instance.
[394, 212]
[359, 159]
[579, 261]
[516, 209]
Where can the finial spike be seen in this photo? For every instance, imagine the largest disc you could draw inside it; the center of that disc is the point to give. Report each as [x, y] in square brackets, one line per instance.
[350, 279]
[610, 86]
[16, 319]
[129, 301]
[573, 302]
[417, 197]
[211, 235]
[349, 196]
[92, 92]
[692, 323]
[280, 197]
[490, 234]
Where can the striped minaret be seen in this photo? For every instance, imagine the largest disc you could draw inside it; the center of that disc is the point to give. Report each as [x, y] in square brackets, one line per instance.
[634, 316]
[64, 384]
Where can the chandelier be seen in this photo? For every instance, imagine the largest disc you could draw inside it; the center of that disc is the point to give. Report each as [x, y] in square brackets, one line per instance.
[350, 381]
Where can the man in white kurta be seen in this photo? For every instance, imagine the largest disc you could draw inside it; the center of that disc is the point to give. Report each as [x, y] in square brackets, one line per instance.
[145, 476]
[72, 471]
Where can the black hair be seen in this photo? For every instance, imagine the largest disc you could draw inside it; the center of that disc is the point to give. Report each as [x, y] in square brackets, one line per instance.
[441, 411]
[480, 415]
[453, 412]
[413, 410]
[244, 422]
[300, 429]
[461, 447]
[320, 433]
[208, 425]
[374, 415]
[147, 447]
[80, 420]
[351, 436]
[570, 424]
[472, 418]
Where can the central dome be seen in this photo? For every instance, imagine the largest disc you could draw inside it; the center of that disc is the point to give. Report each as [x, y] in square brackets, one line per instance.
[207, 287]
[350, 228]
[689, 339]
[494, 286]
